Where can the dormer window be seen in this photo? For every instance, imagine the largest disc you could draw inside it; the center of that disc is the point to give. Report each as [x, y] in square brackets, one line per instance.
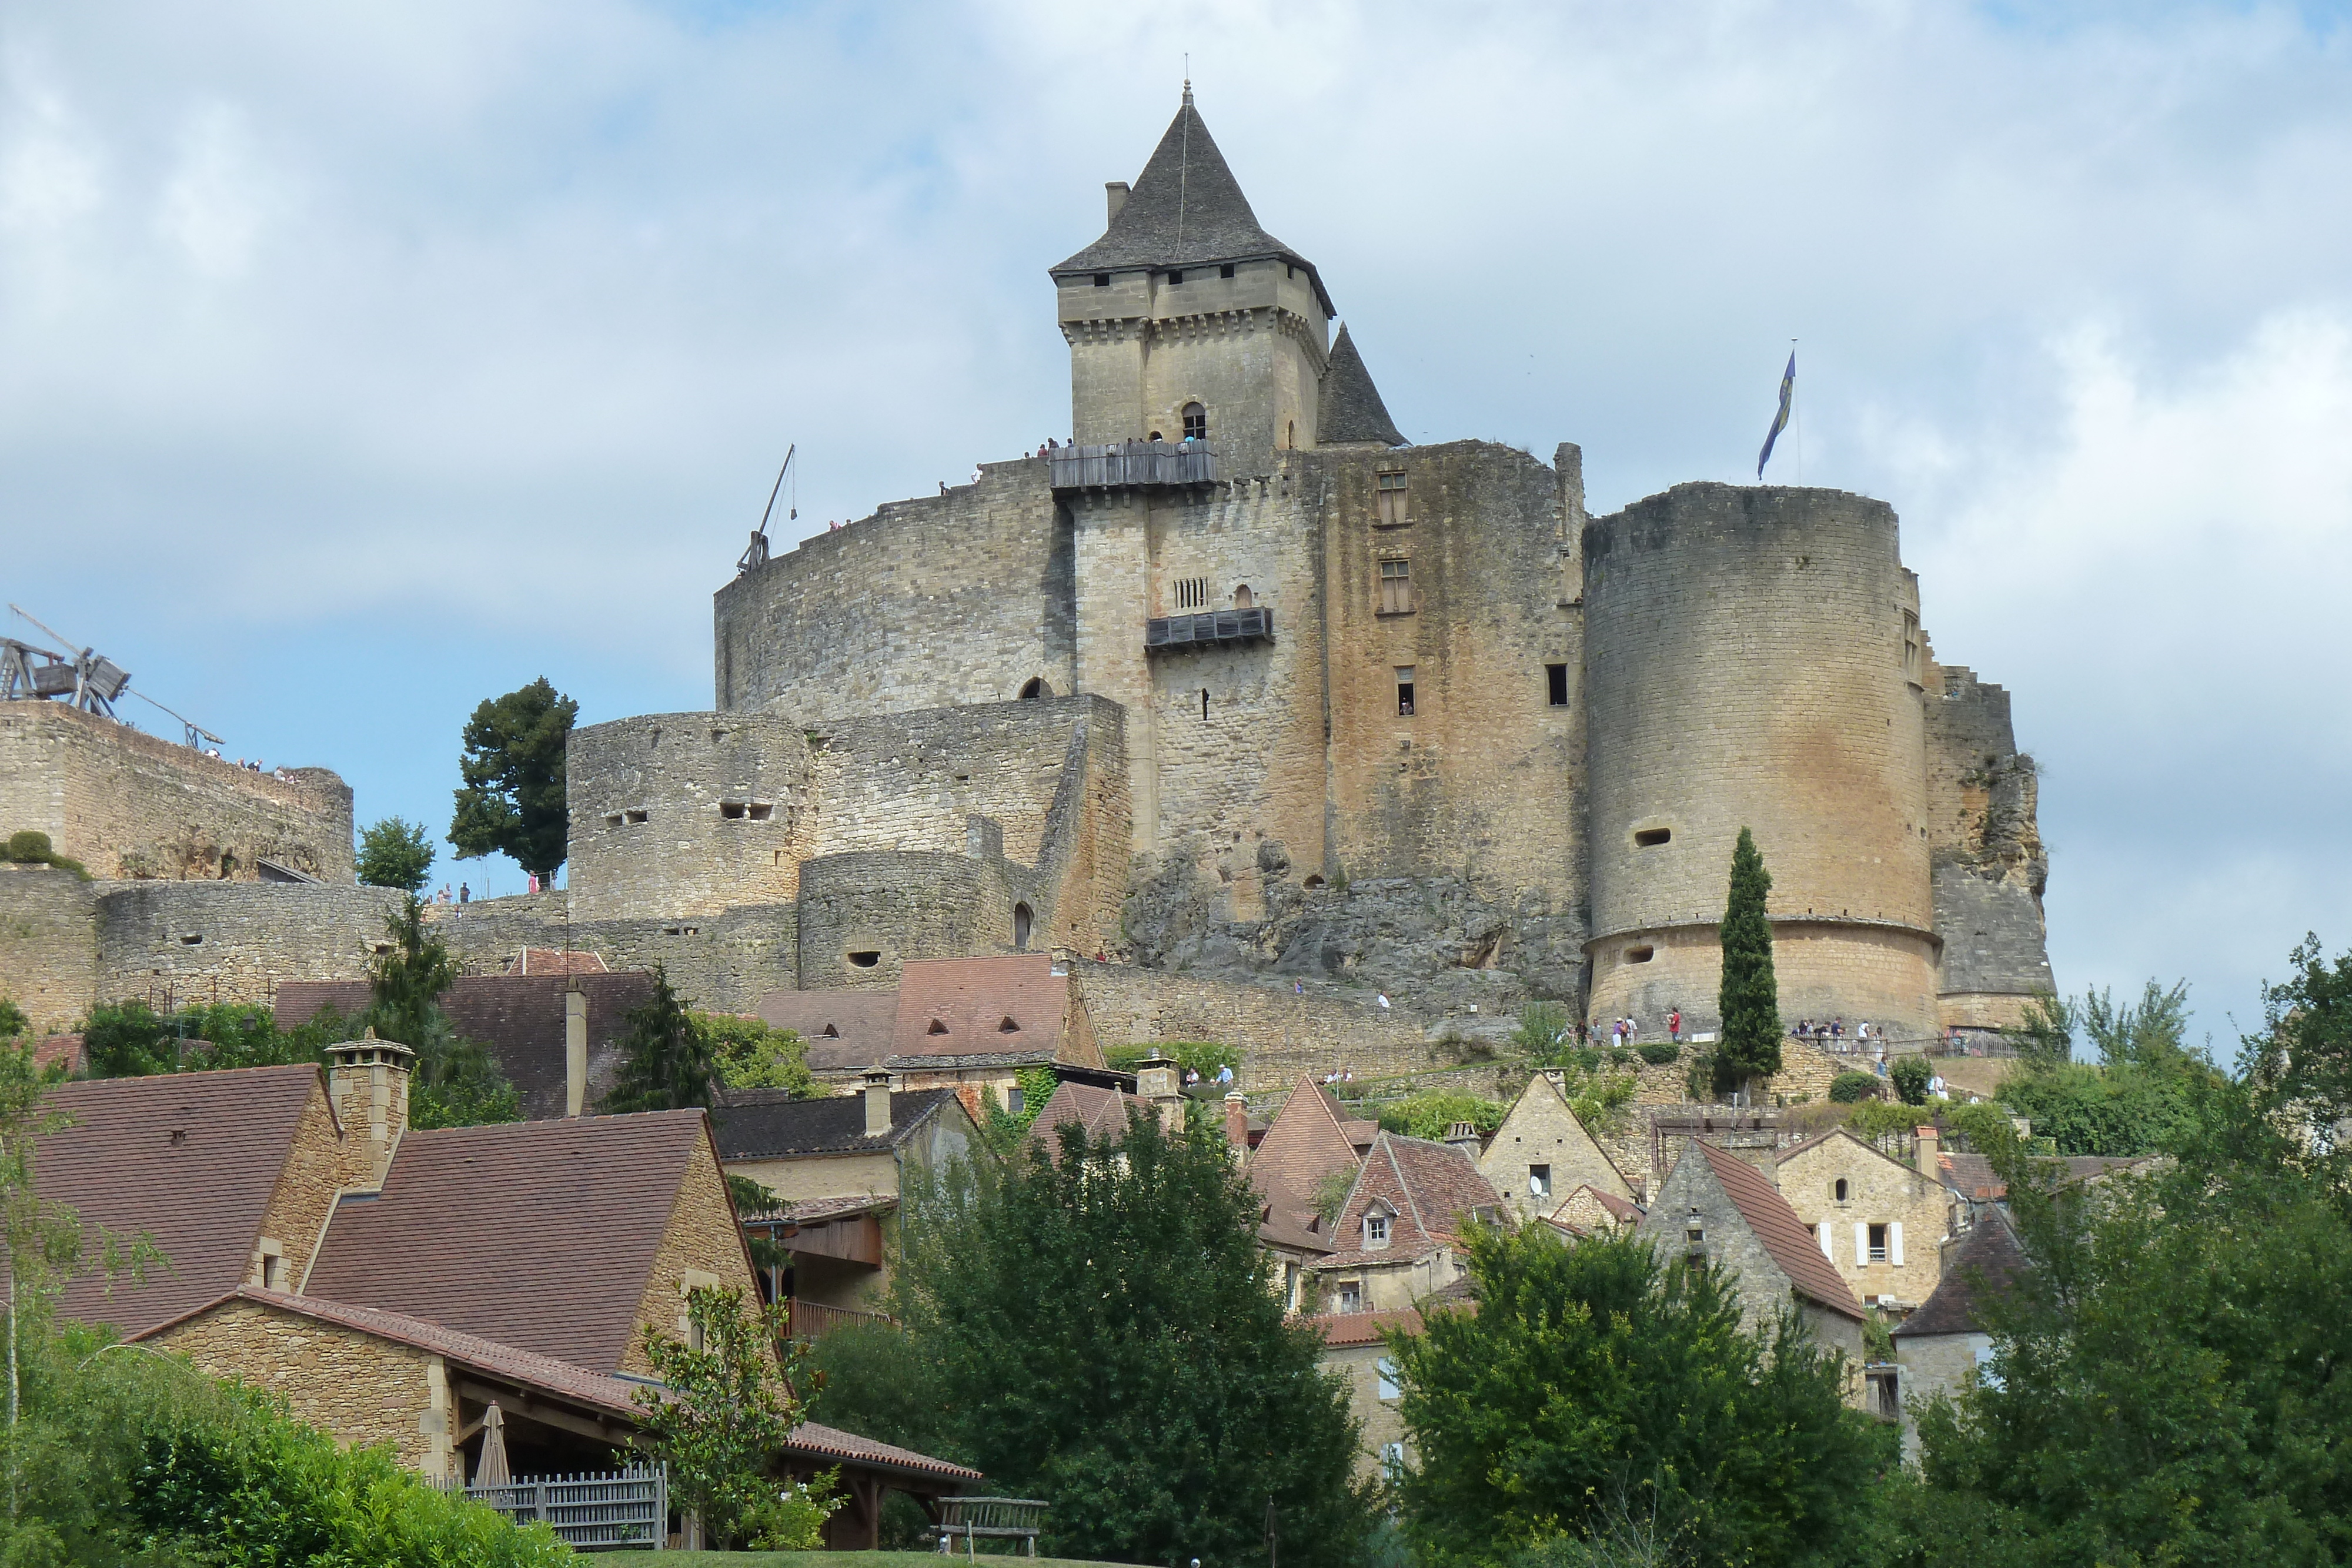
[1008, 1027]
[937, 1027]
[1376, 1231]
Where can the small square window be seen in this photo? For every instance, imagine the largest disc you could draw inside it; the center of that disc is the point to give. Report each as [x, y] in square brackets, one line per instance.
[1404, 691]
[1351, 1295]
[1174, 278]
[1226, 270]
[1102, 280]
[613, 821]
[731, 809]
[1376, 1230]
[1191, 593]
[636, 819]
[1556, 685]
[760, 811]
[1538, 1181]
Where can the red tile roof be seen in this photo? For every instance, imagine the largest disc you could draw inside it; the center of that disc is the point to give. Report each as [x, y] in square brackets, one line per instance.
[844, 1029]
[52, 1050]
[961, 1007]
[833, 1443]
[1340, 1330]
[1429, 1190]
[1788, 1240]
[188, 1158]
[1310, 1138]
[541, 1235]
[1101, 1111]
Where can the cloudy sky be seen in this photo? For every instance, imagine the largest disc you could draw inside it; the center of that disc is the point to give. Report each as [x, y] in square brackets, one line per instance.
[359, 361]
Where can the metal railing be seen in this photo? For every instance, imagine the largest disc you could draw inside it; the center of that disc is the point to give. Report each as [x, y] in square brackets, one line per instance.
[997, 1517]
[610, 1507]
[1132, 463]
[814, 1319]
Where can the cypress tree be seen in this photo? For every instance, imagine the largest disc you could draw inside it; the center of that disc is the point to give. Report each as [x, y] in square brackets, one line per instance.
[1751, 997]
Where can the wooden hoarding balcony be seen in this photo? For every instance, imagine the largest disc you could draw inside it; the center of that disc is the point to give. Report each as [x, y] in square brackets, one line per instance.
[1125, 463]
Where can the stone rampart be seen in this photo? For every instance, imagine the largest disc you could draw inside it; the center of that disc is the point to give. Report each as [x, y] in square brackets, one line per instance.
[1282, 1034]
[864, 913]
[189, 942]
[49, 944]
[721, 963]
[128, 805]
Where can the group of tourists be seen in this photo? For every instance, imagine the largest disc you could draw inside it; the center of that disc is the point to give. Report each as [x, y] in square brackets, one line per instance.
[1626, 1031]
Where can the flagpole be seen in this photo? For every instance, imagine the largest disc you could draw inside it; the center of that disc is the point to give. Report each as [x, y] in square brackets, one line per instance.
[1798, 409]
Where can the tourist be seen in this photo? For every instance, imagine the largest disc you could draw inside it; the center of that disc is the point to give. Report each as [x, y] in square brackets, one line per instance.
[1384, 1001]
[465, 894]
[1674, 1025]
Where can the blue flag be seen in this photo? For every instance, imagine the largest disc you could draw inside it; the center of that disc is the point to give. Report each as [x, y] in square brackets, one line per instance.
[1779, 420]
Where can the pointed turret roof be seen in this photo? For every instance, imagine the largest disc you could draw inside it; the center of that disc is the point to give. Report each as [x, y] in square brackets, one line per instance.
[1186, 209]
[1351, 408]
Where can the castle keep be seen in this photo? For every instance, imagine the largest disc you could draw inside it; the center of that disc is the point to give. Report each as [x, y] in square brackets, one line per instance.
[1245, 695]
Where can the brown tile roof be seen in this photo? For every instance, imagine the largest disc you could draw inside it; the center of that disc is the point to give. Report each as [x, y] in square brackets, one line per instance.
[1429, 1190]
[1340, 1330]
[52, 1050]
[963, 1006]
[1987, 1263]
[1970, 1176]
[1621, 1208]
[547, 1374]
[555, 961]
[846, 1030]
[1310, 1138]
[1786, 1237]
[518, 1017]
[1103, 1113]
[753, 1125]
[189, 1158]
[541, 1235]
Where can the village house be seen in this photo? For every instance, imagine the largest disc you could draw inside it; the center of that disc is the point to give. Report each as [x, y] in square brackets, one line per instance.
[1353, 1347]
[1941, 1348]
[1397, 1236]
[1880, 1223]
[1590, 1211]
[1542, 1152]
[1715, 1206]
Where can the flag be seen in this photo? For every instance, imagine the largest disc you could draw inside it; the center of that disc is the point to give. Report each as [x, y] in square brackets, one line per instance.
[1779, 420]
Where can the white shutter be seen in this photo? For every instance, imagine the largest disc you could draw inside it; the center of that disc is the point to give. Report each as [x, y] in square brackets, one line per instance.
[1860, 1244]
[1895, 1244]
[1822, 1234]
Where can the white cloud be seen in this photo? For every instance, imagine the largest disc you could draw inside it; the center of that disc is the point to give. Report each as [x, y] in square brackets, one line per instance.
[217, 197]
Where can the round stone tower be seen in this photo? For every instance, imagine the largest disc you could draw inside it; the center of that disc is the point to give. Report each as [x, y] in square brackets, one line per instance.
[1752, 658]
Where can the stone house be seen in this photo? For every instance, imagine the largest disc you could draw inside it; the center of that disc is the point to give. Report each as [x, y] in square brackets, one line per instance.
[1353, 1347]
[1718, 1206]
[967, 1024]
[1541, 1153]
[1940, 1348]
[1590, 1211]
[1396, 1240]
[838, 1167]
[1881, 1223]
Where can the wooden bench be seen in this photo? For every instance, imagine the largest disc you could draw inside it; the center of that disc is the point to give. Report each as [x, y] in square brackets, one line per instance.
[1001, 1518]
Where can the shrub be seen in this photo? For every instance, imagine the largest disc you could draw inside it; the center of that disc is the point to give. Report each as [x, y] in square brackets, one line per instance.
[1659, 1053]
[28, 846]
[1847, 1088]
[1911, 1076]
[1429, 1114]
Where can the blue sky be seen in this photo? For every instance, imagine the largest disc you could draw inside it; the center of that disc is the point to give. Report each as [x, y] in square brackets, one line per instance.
[359, 363]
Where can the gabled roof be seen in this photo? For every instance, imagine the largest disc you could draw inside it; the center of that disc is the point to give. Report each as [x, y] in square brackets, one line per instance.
[1310, 1138]
[189, 1158]
[1620, 1210]
[1102, 1112]
[1987, 1263]
[1787, 1238]
[541, 1235]
[768, 1123]
[1970, 1176]
[981, 1007]
[1342, 1330]
[844, 1029]
[1819, 1140]
[1349, 408]
[1429, 1190]
[1186, 207]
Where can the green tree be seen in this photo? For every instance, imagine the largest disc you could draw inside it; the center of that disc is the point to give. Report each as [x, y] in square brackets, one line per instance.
[454, 1081]
[1847, 1088]
[1106, 1337]
[131, 1040]
[12, 1021]
[1545, 1031]
[720, 1417]
[1431, 1113]
[750, 1055]
[1595, 1385]
[666, 1064]
[512, 802]
[1749, 998]
[2137, 1098]
[396, 853]
[1910, 1075]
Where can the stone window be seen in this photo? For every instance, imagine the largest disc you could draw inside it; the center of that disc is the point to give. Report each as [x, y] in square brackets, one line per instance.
[1102, 280]
[1007, 1026]
[1290, 435]
[1695, 1231]
[1388, 498]
[1556, 685]
[1034, 688]
[1174, 278]
[1243, 598]
[1196, 423]
[1351, 1295]
[1538, 1181]
[1878, 1244]
[939, 1026]
[1911, 650]
[866, 959]
[731, 809]
[1640, 954]
[1226, 270]
[1376, 1230]
[613, 821]
[193, 939]
[635, 818]
[1651, 838]
[1015, 1101]
[1204, 704]
[1022, 919]
[1840, 1189]
[1191, 593]
[1396, 586]
[1404, 691]
[1385, 1378]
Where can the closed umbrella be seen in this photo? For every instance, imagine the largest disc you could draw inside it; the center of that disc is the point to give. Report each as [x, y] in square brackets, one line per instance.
[492, 1472]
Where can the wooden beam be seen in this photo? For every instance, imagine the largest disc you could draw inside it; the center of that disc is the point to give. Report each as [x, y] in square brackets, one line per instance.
[532, 1406]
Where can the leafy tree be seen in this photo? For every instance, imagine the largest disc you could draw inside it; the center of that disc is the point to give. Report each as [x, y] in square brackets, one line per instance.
[1595, 1385]
[869, 1378]
[720, 1419]
[1431, 1113]
[750, 1055]
[12, 1021]
[666, 1064]
[131, 1040]
[1910, 1075]
[1847, 1088]
[1106, 1337]
[513, 798]
[396, 853]
[1749, 998]
[454, 1081]
[1544, 1028]
[2136, 1099]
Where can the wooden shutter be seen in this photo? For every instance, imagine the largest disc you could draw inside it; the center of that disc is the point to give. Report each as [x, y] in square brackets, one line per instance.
[1860, 1244]
[1895, 1244]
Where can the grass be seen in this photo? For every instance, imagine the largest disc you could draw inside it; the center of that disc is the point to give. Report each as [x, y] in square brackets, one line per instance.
[815, 1560]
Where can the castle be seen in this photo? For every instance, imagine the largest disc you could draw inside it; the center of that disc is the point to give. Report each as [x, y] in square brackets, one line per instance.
[1261, 706]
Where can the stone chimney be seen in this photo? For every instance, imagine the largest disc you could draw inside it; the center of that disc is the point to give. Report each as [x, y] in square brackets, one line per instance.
[1237, 1123]
[1117, 190]
[1157, 1084]
[878, 1101]
[1928, 1149]
[1463, 1135]
[367, 1084]
[575, 1049]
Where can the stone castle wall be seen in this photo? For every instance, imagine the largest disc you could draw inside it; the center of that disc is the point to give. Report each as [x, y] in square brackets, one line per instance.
[49, 944]
[1989, 865]
[1282, 1034]
[192, 942]
[128, 805]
